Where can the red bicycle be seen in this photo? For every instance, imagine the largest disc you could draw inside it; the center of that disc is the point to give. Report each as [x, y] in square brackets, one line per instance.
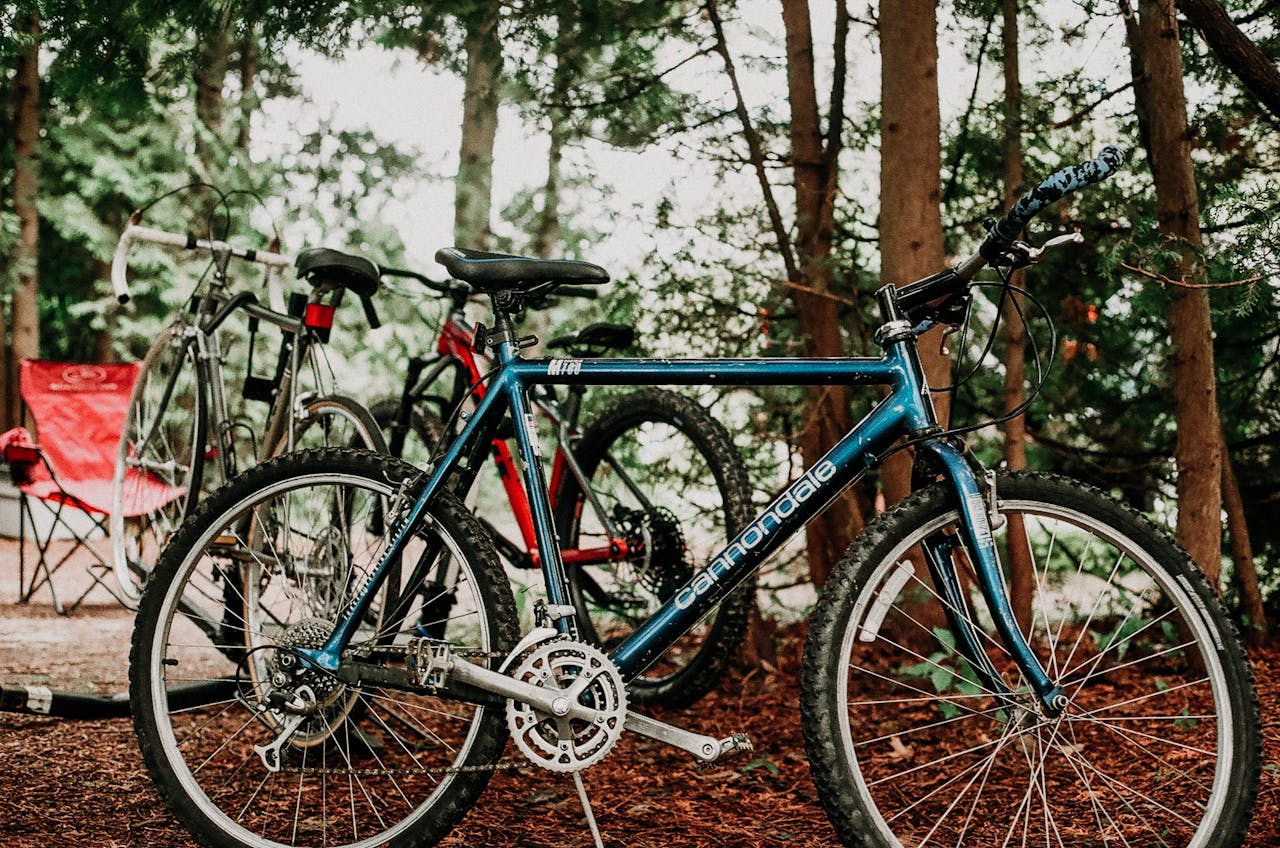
[644, 493]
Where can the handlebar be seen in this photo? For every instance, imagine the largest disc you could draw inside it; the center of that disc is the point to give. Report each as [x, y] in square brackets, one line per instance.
[583, 292]
[922, 298]
[1004, 233]
[434, 285]
[134, 232]
[1054, 188]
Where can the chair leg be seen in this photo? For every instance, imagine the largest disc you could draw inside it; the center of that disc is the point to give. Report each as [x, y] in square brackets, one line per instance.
[23, 597]
[38, 578]
[43, 571]
[101, 572]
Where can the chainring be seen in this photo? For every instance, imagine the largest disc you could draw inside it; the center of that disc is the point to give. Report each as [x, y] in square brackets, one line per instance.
[559, 743]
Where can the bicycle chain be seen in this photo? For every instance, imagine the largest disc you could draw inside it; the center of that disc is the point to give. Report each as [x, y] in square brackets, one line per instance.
[500, 766]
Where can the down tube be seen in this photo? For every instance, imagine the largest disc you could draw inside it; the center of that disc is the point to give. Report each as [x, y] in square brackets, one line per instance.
[802, 500]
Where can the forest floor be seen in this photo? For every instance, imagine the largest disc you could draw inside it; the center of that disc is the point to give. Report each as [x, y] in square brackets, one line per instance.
[65, 782]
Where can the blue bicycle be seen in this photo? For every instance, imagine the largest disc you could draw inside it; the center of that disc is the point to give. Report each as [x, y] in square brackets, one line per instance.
[934, 713]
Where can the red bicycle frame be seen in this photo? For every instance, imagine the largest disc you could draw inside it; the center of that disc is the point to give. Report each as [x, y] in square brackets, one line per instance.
[458, 343]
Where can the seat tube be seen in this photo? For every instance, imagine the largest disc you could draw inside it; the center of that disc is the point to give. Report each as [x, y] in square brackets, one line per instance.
[209, 371]
[535, 487]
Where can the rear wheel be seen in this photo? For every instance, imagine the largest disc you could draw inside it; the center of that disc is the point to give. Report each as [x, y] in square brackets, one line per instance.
[911, 743]
[334, 421]
[422, 437]
[163, 457]
[667, 477]
[370, 765]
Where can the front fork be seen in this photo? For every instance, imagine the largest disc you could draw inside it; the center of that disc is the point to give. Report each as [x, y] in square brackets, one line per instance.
[976, 538]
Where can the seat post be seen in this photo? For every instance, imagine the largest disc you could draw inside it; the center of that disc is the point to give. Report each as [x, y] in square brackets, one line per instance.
[504, 328]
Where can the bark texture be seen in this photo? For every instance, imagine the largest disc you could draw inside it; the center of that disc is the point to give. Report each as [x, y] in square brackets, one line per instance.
[480, 101]
[910, 180]
[25, 339]
[1236, 51]
[1197, 453]
[815, 168]
[1021, 576]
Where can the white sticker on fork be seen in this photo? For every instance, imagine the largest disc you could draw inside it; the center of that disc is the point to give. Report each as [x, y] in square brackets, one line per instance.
[982, 528]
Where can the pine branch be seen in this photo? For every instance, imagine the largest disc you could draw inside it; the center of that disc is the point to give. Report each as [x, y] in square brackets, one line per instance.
[1087, 110]
[1183, 284]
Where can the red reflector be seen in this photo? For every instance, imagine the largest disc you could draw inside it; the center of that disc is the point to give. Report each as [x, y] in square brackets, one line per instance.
[318, 316]
[21, 453]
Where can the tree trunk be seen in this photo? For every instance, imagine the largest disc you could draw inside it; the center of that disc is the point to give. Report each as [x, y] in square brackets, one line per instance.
[8, 382]
[1137, 69]
[102, 348]
[547, 236]
[210, 75]
[1020, 566]
[248, 95]
[1242, 552]
[25, 342]
[474, 185]
[910, 181]
[1197, 453]
[1234, 49]
[827, 415]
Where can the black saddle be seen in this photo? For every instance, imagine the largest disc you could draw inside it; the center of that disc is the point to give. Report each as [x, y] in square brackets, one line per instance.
[500, 272]
[329, 267]
[594, 339]
[326, 265]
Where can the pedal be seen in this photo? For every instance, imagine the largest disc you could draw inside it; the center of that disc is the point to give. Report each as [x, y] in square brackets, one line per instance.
[731, 746]
[429, 661]
[738, 743]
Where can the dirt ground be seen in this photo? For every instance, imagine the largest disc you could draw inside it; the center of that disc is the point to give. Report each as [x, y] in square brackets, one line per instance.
[82, 783]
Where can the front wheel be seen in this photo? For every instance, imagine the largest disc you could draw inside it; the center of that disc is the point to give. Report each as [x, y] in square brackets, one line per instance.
[163, 458]
[912, 743]
[250, 746]
[666, 476]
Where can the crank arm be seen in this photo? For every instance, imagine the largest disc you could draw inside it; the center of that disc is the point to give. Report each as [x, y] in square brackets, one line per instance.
[705, 749]
[551, 701]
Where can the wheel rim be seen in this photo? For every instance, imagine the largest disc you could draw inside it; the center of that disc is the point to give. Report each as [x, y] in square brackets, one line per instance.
[939, 768]
[340, 800]
[162, 442]
[324, 424]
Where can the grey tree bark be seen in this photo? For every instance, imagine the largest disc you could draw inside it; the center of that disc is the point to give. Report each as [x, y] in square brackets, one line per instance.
[481, 98]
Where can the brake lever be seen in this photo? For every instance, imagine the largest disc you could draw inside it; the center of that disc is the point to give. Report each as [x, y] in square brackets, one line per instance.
[1035, 254]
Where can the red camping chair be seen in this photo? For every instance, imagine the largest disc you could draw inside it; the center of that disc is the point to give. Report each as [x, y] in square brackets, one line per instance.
[79, 413]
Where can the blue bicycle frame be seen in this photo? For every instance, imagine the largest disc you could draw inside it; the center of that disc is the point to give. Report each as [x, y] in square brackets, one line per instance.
[906, 411]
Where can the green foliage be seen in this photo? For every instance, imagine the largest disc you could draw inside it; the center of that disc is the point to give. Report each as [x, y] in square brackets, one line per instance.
[946, 671]
[121, 128]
